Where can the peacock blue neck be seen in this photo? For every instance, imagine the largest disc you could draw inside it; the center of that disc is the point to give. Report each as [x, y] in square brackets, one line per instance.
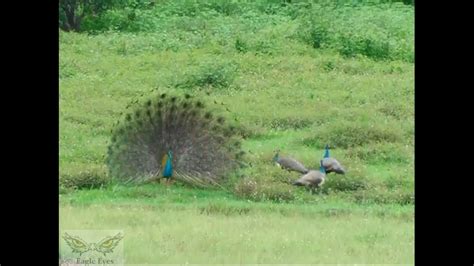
[322, 169]
[326, 152]
[275, 158]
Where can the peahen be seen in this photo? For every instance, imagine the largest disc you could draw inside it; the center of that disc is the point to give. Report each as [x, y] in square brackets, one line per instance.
[289, 163]
[173, 137]
[331, 164]
[313, 179]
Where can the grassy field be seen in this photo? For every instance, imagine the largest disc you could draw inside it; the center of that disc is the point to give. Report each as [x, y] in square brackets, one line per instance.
[294, 77]
[180, 225]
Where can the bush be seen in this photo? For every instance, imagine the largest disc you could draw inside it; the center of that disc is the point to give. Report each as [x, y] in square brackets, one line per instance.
[210, 74]
[381, 153]
[382, 195]
[289, 123]
[246, 188]
[344, 183]
[399, 182]
[379, 32]
[84, 179]
[353, 133]
[277, 192]
[375, 47]
[258, 191]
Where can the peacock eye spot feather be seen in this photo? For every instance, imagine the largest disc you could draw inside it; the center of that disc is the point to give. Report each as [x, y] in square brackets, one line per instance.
[137, 114]
[220, 120]
[187, 96]
[173, 99]
[199, 104]
[208, 115]
[128, 117]
[163, 95]
[148, 103]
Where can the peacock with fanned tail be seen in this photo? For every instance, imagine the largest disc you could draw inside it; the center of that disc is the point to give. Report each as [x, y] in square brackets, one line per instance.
[173, 138]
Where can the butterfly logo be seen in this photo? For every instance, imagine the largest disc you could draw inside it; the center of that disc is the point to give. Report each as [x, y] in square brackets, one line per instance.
[104, 246]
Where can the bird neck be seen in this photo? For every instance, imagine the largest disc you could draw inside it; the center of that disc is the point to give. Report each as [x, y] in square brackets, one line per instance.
[322, 169]
[326, 153]
[275, 158]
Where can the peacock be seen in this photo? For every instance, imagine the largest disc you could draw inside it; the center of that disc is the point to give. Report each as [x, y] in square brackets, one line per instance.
[313, 179]
[173, 137]
[289, 163]
[331, 164]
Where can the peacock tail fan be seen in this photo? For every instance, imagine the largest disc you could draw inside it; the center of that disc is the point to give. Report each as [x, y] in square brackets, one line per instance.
[205, 148]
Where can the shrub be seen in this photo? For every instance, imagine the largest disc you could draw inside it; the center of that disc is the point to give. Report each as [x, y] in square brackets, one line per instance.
[382, 195]
[380, 32]
[210, 74]
[345, 183]
[381, 153]
[249, 188]
[94, 177]
[289, 123]
[353, 133]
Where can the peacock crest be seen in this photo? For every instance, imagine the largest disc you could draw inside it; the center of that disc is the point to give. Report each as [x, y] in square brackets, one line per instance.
[173, 135]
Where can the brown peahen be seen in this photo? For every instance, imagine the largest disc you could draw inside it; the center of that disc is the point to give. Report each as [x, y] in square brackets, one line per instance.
[289, 163]
[313, 179]
[173, 137]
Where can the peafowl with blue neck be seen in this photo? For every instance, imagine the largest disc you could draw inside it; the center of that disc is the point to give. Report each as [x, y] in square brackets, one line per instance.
[173, 138]
[331, 164]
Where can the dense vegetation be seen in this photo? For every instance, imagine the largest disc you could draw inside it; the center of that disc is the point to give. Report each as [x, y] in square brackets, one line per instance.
[294, 75]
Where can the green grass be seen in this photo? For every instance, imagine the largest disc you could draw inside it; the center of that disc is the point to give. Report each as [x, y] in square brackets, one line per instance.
[155, 235]
[179, 224]
[283, 91]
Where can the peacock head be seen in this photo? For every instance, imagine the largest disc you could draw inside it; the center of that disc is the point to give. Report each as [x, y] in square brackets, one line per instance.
[321, 167]
[170, 154]
[326, 151]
